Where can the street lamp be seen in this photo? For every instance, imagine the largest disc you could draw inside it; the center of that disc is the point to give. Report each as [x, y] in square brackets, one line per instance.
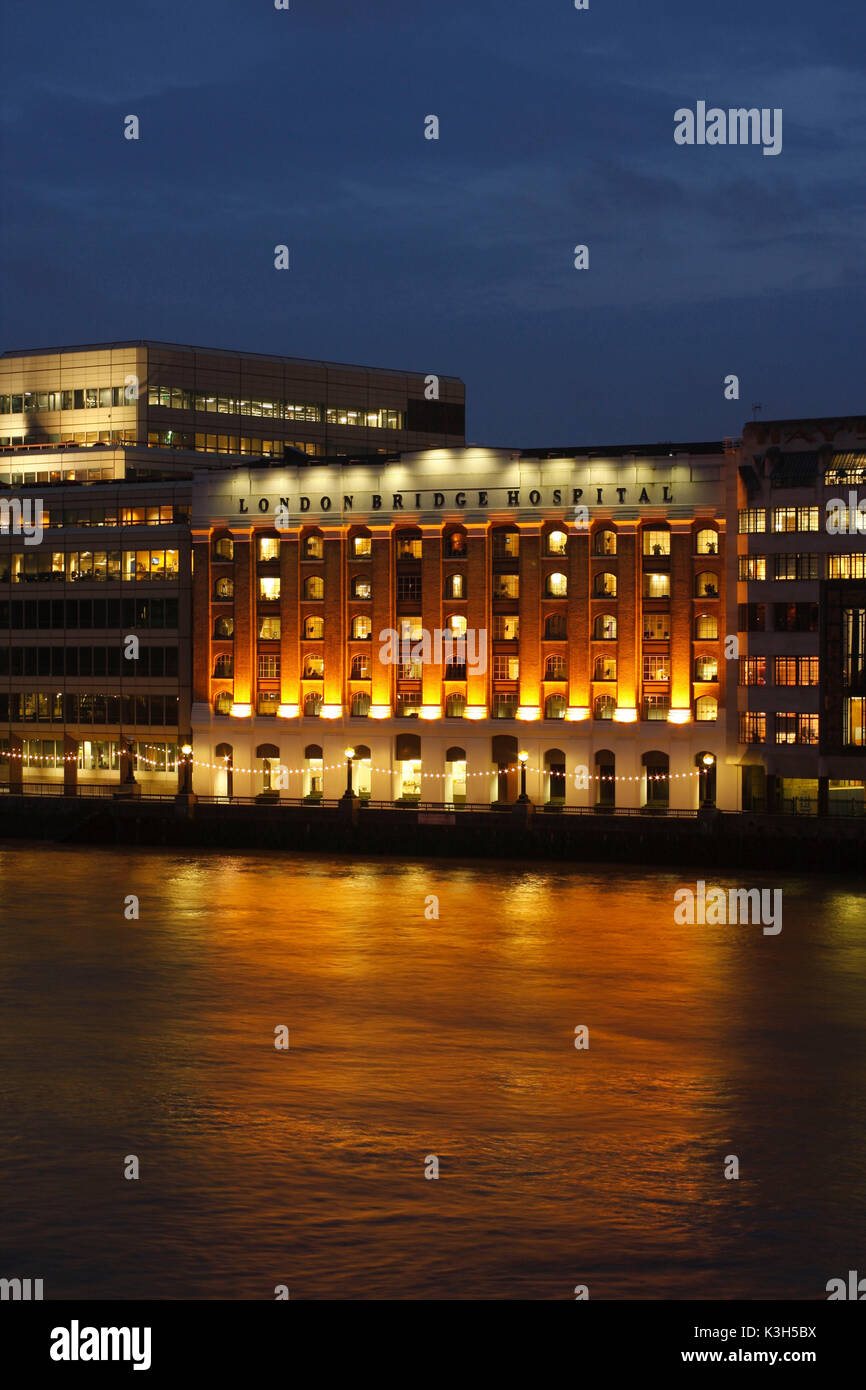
[186, 750]
[523, 758]
[350, 753]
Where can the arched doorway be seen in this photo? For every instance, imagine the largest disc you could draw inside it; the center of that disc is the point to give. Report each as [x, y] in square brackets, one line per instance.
[362, 769]
[605, 779]
[408, 759]
[656, 781]
[455, 776]
[224, 775]
[269, 756]
[554, 777]
[314, 772]
[706, 763]
[503, 752]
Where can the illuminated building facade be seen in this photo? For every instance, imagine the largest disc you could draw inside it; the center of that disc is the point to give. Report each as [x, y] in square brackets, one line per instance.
[592, 580]
[798, 589]
[249, 405]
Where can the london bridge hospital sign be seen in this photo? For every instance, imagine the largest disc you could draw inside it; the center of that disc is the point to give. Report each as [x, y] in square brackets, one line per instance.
[473, 488]
[283, 508]
[286, 508]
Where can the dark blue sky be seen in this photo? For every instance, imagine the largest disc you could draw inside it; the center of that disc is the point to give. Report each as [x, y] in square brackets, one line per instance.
[305, 127]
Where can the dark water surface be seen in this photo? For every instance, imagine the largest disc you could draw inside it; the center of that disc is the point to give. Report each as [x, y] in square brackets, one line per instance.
[412, 1037]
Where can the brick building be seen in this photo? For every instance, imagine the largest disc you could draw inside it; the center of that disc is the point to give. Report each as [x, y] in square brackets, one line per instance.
[595, 578]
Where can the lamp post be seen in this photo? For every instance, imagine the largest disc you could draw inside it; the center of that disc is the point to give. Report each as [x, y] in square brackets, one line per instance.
[523, 758]
[349, 793]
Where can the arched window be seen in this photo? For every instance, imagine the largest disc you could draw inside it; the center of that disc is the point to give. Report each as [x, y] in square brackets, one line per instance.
[706, 709]
[706, 668]
[314, 629]
[313, 548]
[455, 706]
[314, 668]
[455, 544]
[555, 707]
[556, 586]
[604, 668]
[707, 542]
[224, 588]
[554, 668]
[707, 627]
[223, 702]
[707, 585]
[455, 586]
[224, 628]
[557, 543]
[604, 585]
[604, 543]
[362, 627]
[312, 706]
[224, 548]
[360, 670]
[360, 705]
[361, 587]
[604, 628]
[555, 627]
[314, 587]
[223, 667]
[604, 707]
[456, 624]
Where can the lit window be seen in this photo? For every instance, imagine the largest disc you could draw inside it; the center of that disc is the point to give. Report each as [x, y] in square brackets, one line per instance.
[557, 543]
[656, 585]
[557, 585]
[707, 542]
[706, 708]
[269, 587]
[656, 542]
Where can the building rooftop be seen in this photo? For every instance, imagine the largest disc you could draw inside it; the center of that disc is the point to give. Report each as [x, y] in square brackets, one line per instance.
[214, 352]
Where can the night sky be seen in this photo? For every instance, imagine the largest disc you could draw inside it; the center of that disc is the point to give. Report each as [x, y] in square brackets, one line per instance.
[306, 127]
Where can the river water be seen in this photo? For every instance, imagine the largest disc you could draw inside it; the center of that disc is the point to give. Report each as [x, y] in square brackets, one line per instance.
[415, 1036]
